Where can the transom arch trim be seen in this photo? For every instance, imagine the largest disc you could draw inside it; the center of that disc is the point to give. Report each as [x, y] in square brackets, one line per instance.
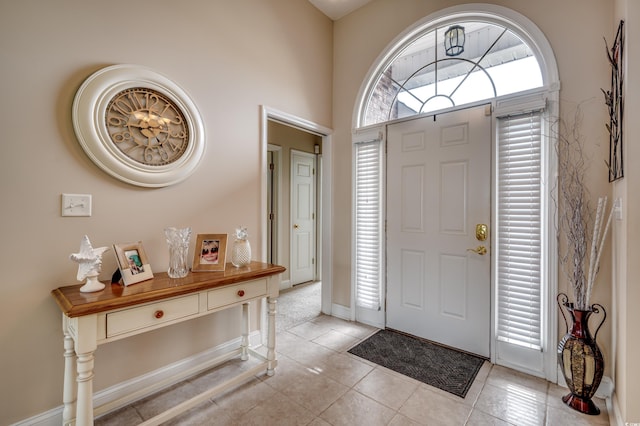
[519, 24]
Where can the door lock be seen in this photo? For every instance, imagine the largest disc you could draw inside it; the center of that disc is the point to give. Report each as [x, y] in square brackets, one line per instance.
[481, 232]
[481, 250]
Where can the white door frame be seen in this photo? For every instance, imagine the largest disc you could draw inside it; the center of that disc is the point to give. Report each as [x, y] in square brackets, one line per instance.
[277, 201]
[324, 240]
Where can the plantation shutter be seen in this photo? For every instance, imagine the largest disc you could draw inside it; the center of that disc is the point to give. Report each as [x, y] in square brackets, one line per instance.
[368, 228]
[519, 231]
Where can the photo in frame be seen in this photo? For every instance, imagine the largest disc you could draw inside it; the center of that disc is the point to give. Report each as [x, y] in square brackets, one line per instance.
[132, 262]
[210, 253]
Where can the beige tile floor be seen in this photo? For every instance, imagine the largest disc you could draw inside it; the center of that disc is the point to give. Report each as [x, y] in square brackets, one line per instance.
[318, 383]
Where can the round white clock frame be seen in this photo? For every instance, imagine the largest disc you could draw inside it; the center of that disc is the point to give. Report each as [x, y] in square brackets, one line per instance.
[95, 99]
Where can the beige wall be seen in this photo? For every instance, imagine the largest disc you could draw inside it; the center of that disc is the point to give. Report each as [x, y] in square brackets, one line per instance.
[288, 138]
[231, 57]
[626, 318]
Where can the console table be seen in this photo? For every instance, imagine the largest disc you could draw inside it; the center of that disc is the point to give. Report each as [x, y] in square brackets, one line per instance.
[118, 312]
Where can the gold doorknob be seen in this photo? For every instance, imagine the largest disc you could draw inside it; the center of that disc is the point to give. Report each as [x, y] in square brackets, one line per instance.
[296, 226]
[481, 250]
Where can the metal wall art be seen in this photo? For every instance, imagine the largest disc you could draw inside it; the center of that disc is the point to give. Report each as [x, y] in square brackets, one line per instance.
[615, 104]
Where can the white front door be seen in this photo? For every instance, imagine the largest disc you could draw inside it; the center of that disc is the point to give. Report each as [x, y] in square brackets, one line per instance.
[303, 213]
[438, 191]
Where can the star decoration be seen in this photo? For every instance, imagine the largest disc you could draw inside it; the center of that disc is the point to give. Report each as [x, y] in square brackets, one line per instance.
[89, 259]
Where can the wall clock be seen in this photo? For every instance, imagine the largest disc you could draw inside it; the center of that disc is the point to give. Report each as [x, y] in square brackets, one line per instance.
[138, 126]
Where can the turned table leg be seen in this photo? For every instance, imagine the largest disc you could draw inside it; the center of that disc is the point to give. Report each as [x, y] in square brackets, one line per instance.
[244, 346]
[85, 344]
[271, 336]
[84, 415]
[69, 390]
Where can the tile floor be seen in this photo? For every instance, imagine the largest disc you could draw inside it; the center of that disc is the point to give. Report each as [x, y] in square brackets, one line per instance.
[318, 383]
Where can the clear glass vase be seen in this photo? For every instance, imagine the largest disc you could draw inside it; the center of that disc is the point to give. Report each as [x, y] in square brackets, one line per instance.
[241, 253]
[178, 241]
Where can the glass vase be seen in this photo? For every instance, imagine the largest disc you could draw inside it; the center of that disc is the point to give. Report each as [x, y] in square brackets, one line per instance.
[178, 242]
[241, 253]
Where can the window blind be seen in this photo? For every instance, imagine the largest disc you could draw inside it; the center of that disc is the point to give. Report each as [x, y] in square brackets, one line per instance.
[368, 224]
[519, 230]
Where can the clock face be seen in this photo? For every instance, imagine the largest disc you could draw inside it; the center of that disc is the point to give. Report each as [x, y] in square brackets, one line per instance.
[138, 126]
[147, 126]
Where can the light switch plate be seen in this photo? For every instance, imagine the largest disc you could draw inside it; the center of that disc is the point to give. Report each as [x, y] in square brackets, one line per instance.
[76, 204]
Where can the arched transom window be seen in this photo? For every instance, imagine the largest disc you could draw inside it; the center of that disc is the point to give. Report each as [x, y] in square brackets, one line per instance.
[454, 64]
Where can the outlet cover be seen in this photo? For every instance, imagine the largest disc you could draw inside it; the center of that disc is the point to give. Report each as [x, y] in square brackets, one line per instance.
[76, 205]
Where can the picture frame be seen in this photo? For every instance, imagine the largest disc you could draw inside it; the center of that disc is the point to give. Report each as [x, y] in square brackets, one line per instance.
[210, 253]
[132, 262]
[126, 84]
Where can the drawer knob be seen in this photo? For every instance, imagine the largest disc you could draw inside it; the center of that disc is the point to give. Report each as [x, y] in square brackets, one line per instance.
[241, 293]
[158, 314]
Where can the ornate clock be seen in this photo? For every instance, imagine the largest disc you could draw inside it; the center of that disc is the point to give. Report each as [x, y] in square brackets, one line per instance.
[138, 126]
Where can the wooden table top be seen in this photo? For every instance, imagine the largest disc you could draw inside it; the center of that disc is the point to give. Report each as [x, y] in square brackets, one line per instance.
[73, 303]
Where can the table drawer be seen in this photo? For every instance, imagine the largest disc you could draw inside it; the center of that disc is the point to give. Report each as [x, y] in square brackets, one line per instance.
[151, 315]
[236, 293]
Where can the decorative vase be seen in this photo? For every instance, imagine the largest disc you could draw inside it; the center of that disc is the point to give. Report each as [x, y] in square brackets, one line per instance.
[178, 241]
[241, 252]
[579, 356]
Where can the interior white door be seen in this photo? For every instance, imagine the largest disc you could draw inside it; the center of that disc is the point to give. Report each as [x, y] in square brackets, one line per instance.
[303, 207]
[438, 191]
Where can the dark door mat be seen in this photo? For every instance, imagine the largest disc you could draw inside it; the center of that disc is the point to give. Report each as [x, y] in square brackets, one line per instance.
[439, 366]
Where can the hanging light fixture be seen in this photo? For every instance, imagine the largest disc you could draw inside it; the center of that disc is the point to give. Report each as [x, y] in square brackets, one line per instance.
[454, 40]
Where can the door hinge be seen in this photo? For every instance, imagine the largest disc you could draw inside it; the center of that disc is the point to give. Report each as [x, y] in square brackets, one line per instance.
[313, 216]
[271, 166]
[272, 216]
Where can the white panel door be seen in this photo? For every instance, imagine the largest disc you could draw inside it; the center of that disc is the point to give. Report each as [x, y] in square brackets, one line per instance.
[303, 208]
[438, 190]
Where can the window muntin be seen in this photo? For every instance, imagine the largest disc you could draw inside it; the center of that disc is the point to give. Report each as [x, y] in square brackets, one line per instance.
[422, 78]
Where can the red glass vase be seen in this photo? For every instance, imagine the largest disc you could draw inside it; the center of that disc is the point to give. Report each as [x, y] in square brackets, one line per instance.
[579, 356]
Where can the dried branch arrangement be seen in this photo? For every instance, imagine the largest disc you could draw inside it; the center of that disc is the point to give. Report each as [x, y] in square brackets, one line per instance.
[583, 229]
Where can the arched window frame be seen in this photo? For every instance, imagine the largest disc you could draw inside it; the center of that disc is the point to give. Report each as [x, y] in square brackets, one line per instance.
[545, 97]
[518, 24]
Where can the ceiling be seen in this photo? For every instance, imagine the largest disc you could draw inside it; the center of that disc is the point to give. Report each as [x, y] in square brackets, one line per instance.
[336, 9]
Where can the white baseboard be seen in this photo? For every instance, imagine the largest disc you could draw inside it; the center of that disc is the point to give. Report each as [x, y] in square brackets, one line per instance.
[341, 311]
[125, 393]
[605, 390]
[52, 417]
[615, 417]
[285, 285]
